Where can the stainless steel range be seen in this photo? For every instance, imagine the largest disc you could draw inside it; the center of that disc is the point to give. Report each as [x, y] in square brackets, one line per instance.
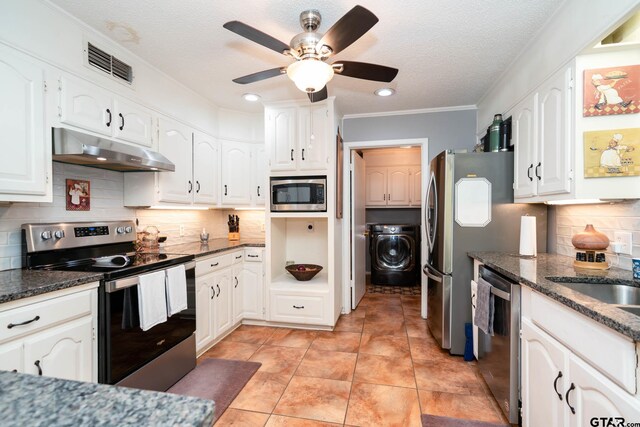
[154, 359]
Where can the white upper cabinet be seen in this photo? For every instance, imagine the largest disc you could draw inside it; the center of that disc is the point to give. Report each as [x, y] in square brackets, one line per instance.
[297, 137]
[542, 136]
[312, 148]
[236, 175]
[91, 108]
[415, 185]
[388, 186]
[26, 148]
[175, 144]
[259, 170]
[376, 186]
[398, 186]
[206, 166]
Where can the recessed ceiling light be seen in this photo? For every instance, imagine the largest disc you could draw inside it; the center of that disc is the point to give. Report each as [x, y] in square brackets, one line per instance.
[385, 91]
[102, 159]
[251, 97]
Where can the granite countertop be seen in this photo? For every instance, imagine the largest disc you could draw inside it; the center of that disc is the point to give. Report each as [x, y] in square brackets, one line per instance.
[213, 246]
[18, 284]
[536, 272]
[30, 400]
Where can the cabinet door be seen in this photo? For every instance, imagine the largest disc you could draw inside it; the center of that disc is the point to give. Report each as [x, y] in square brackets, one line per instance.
[236, 178]
[11, 356]
[238, 289]
[554, 134]
[132, 123]
[313, 139]
[398, 186]
[544, 370]
[281, 138]
[64, 351]
[595, 396]
[524, 140]
[253, 294]
[86, 106]
[415, 185]
[376, 187]
[204, 310]
[23, 164]
[206, 169]
[260, 179]
[175, 143]
[223, 311]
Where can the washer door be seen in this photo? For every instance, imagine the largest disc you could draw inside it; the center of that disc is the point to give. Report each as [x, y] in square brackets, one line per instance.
[394, 252]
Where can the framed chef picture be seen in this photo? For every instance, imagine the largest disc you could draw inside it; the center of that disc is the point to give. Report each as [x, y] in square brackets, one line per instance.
[612, 153]
[610, 91]
[78, 194]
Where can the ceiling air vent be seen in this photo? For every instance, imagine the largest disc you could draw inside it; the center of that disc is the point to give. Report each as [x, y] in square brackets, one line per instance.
[109, 64]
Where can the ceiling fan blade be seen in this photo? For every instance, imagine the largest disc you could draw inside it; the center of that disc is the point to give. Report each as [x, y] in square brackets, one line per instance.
[363, 70]
[321, 95]
[256, 36]
[260, 75]
[348, 29]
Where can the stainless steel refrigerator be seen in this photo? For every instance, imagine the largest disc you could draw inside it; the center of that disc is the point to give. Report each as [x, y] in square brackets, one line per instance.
[448, 267]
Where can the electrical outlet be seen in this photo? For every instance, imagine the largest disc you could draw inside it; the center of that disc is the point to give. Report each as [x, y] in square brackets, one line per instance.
[624, 239]
[181, 230]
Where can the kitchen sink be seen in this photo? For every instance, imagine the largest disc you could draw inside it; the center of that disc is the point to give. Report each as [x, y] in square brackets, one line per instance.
[633, 309]
[610, 293]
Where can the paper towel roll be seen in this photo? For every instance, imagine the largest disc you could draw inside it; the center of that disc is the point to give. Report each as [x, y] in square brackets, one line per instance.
[528, 236]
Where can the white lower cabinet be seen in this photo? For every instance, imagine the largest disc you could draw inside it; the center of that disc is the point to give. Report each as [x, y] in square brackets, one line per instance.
[291, 307]
[228, 290]
[559, 388]
[63, 351]
[53, 336]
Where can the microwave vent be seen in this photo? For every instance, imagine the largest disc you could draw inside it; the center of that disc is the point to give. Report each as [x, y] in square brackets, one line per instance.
[109, 64]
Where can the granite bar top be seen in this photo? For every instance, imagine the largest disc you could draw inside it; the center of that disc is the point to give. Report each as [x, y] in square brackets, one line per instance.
[17, 284]
[30, 400]
[536, 272]
[213, 246]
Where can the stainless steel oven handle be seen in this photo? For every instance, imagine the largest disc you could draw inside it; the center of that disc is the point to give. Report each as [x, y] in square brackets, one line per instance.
[500, 293]
[116, 285]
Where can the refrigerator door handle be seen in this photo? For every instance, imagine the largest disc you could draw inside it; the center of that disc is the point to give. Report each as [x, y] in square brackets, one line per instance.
[428, 271]
[430, 224]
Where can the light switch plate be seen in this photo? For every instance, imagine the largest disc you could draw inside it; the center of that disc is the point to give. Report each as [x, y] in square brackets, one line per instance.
[623, 237]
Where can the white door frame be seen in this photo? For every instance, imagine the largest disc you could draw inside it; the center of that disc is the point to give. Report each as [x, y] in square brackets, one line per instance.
[346, 221]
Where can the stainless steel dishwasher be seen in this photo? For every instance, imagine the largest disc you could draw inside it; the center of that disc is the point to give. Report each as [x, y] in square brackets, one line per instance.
[499, 355]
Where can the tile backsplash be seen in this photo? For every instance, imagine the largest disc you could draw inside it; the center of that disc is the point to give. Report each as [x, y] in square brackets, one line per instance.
[107, 189]
[624, 216]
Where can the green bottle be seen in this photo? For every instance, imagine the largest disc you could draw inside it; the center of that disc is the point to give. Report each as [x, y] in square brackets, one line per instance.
[494, 133]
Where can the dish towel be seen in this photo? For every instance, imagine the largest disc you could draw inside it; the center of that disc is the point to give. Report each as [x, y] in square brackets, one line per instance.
[152, 301]
[484, 307]
[176, 289]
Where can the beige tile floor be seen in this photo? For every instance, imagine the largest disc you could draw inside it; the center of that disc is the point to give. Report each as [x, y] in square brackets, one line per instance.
[379, 367]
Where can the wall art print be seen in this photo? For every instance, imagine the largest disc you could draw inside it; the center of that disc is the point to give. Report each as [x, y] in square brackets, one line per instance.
[609, 91]
[612, 153]
[78, 195]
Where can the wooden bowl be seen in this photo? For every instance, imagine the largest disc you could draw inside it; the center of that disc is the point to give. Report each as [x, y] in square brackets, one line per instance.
[309, 271]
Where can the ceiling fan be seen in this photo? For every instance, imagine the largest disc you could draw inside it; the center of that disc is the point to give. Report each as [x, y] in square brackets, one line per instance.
[310, 49]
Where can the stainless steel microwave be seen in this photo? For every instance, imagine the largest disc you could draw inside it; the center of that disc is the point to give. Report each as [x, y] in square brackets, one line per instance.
[299, 194]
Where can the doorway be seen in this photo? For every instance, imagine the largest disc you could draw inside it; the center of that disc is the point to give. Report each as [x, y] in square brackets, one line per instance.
[386, 166]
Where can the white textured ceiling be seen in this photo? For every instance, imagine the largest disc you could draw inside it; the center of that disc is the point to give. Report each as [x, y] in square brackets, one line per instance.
[448, 51]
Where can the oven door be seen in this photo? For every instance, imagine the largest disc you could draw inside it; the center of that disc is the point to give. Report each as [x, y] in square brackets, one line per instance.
[125, 347]
[301, 194]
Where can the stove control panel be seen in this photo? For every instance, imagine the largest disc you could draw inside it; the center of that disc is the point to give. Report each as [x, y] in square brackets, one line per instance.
[44, 237]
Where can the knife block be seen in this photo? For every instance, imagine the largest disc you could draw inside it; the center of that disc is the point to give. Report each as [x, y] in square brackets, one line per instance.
[234, 236]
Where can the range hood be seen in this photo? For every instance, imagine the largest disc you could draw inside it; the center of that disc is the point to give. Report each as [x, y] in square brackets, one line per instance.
[82, 149]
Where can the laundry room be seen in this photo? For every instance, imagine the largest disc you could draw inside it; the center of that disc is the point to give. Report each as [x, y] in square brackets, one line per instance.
[392, 205]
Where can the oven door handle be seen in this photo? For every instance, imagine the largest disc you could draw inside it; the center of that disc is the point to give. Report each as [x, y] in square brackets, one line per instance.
[116, 285]
[500, 293]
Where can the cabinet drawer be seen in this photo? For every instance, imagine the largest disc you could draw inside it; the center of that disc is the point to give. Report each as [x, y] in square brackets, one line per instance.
[609, 352]
[237, 257]
[209, 265]
[253, 255]
[297, 308]
[43, 314]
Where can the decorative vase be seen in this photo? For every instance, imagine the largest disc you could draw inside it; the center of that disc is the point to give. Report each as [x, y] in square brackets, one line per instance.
[590, 239]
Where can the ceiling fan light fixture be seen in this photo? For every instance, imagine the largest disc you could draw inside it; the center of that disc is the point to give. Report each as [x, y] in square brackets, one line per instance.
[310, 75]
[251, 97]
[385, 91]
